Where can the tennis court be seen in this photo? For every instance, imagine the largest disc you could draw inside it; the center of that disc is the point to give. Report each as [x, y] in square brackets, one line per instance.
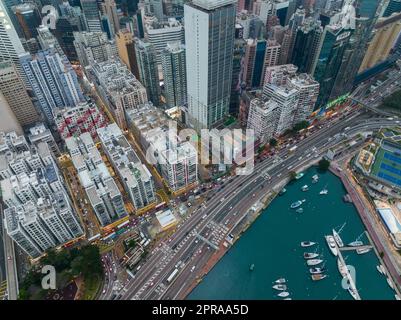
[387, 166]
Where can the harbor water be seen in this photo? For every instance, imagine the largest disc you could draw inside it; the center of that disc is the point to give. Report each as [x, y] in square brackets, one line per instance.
[272, 245]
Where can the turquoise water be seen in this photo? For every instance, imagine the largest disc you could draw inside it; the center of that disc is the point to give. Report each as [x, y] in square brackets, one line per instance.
[272, 244]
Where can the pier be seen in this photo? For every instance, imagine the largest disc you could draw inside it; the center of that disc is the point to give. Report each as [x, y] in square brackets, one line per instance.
[355, 248]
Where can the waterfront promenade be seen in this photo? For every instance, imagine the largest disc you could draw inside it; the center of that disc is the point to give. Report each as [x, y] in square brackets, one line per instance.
[362, 206]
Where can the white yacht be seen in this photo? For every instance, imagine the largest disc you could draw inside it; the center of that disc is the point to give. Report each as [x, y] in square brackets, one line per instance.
[332, 244]
[313, 262]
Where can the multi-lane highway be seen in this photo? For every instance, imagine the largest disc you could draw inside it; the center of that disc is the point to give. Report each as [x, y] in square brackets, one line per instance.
[193, 244]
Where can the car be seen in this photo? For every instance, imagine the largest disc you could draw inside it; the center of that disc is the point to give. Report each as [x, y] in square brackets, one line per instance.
[104, 291]
[9, 258]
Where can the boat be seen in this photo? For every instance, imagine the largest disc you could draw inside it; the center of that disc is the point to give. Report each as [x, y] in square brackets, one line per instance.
[315, 178]
[355, 244]
[309, 255]
[316, 270]
[324, 191]
[299, 210]
[363, 250]
[316, 277]
[283, 294]
[332, 244]
[337, 237]
[284, 190]
[381, 269]
[299, 175]
[307, 243]
[347, 198]
[313, 262]
[296, 204]
[251, 267]
[353, 293]
[280, 280]
[287, 299]
[305, 188]
[390, 283]
[396, 296]
[280, 287]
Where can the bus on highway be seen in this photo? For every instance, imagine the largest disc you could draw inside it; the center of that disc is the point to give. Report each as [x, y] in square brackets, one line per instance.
[172, 275]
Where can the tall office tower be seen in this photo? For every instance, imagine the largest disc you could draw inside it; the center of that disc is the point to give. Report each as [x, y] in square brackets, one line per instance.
[342, 48]
[85, 117]
[93, 47]
[174, 8]
[107, 27]
[136, 178]
[28, 18]
[100, 187]
[39, 133]
[156, 7]
[47, 40]
[392, 6]
[238, 58]
[386, 32]
[53, 80]
[308, 90]
[209, 40]
[13, 88]
[8, 6]
[160, 34]
[295, 22]
[91, 13]
[148, 71]
[174, 74]
[272, 56]
[285, 46]
[287, 99]
[306, 45]
[109, 8]
[8, 120]
[126, 50]
[10, 44]
[254, 63]
[119, 89]
[253, 25]
[263, 118]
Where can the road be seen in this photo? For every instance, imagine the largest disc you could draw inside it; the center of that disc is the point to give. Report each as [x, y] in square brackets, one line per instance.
[184, 250]
[11, 267]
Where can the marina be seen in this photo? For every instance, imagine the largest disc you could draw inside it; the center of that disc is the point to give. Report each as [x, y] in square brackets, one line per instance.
[293, 235]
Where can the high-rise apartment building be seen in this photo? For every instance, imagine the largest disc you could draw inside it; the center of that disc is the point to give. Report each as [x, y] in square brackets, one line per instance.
[100, 187]
[53, 81]
[126, 50]
[8, 120]
[148, 69]
[91, 12]
[174, 74]
[209, 41]
[136, 178]
[109, 9]
[14, 90]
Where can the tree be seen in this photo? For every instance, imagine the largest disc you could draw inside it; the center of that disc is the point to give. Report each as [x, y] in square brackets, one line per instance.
[293, 175]
[393, 101]
[132, 244]
[273, 142]
[324, 164]
[301, 125]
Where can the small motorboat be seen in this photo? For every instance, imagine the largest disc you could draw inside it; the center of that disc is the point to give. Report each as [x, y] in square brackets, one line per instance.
[310, 255]
[381, 269]
[316, 270]
[296, 204]
[280, 287]
[305, 188]
[299, 210]
[332, 244]
[284, 190]
[299, 175]
[280, 280]
[283, 294]
[314, 262]
[390, 283]
[363, 250]
[307, 243]
[317, 277]
[315, 178]
[324, 192]
[251, 267]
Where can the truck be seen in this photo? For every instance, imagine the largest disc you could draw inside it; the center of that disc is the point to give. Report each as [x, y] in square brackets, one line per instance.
[172, 275]
[292, 149]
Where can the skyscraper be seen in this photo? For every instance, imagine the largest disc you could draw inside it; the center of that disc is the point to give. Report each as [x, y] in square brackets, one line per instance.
[13, 88]
[8, 120]
[209, 39]
[28, 18]
[91, 13]
[109, 9]
[174, 74]
[53, 80]
[10, 44]
[126, 50]
[148, 70]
